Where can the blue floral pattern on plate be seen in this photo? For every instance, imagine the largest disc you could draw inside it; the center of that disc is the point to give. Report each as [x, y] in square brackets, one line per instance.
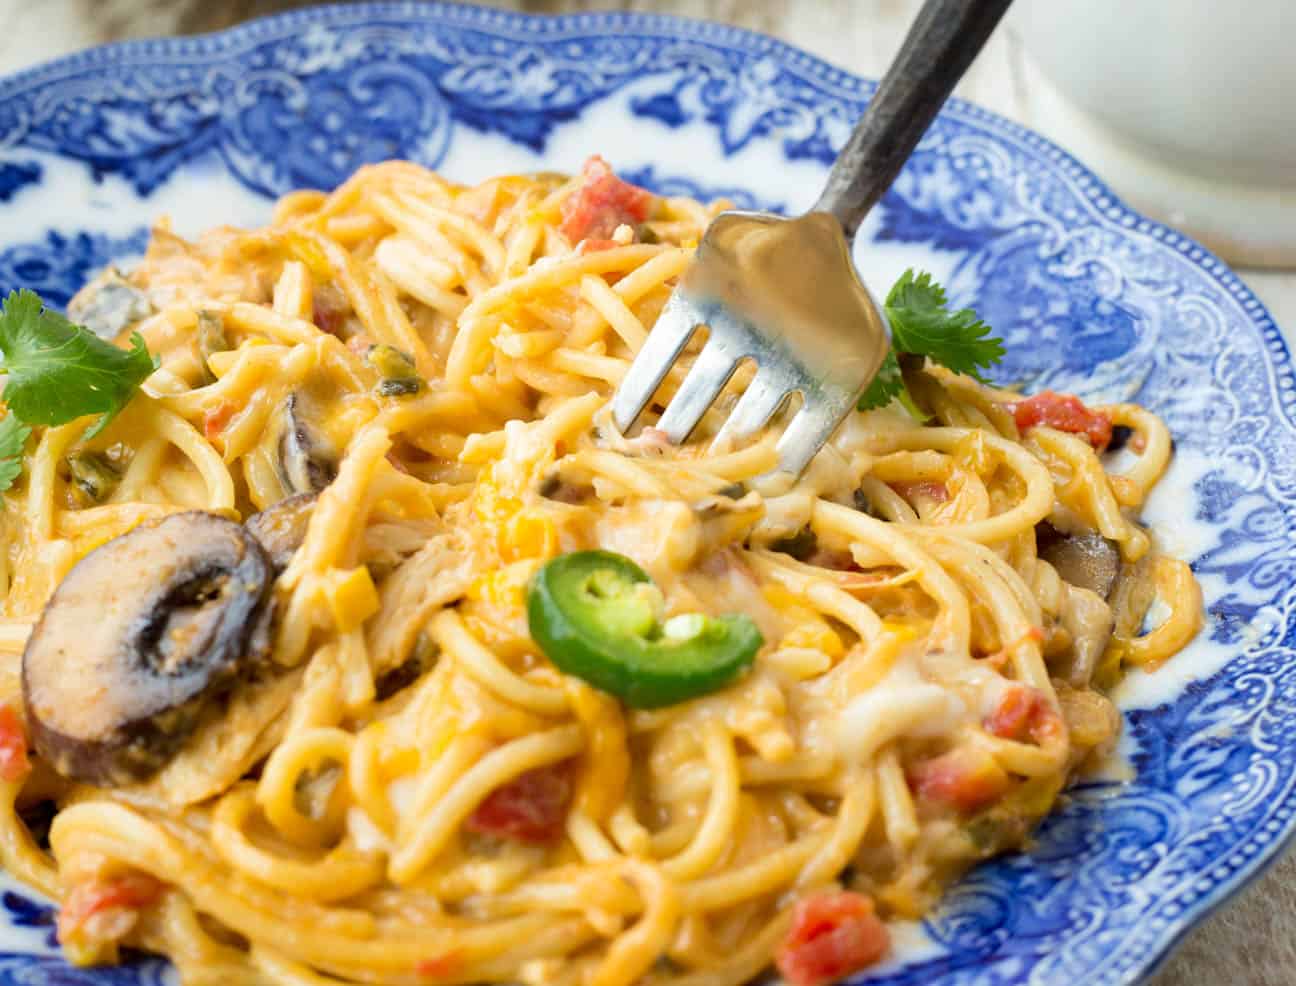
[1090, 296]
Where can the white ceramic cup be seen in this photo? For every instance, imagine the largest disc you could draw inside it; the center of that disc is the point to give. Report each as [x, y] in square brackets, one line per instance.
[1188, 107]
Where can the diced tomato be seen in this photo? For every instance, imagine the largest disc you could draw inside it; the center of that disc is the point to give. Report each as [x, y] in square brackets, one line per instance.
[602, 203]
[832, 935]
[964, 778]
[216, 418]
[129, 892]
[1013, 713]
[931, 489]
[1024, 712]
[531, 808]
[439, 967]
[14, 763]
[1065, 412]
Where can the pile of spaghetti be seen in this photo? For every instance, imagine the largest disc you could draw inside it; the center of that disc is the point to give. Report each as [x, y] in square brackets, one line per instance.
[297, 713]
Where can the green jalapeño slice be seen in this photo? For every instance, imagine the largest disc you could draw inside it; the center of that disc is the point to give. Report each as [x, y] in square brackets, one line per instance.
[595, 615]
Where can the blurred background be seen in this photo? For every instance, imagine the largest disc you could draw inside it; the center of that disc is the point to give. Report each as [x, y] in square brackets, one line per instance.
[1186, 107]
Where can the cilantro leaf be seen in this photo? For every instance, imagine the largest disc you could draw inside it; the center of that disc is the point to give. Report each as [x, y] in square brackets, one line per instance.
[886, 386]
[923, 325]
[13, 437]
[59, 371]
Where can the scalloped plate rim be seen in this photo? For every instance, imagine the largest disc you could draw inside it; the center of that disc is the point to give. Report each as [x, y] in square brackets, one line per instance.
[1107, 208]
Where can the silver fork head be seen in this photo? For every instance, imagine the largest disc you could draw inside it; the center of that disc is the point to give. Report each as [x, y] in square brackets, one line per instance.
[784, 294]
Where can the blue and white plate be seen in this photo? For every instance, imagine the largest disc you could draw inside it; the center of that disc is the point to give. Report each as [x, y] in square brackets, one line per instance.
[1090, 297]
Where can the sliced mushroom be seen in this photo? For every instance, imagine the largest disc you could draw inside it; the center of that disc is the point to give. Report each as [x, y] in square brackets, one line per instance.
[109, 305]
[1133, 597]
[1086, 560]
[281, 529]
[306, 460]
[1087, 618]
[143, 637]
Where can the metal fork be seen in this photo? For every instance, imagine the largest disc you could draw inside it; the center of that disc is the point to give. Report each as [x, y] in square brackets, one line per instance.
[784, 292]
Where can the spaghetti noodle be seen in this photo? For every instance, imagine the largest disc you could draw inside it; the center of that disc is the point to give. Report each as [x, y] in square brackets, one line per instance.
[409, 377]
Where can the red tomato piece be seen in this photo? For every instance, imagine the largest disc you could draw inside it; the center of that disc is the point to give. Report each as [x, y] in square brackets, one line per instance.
[1065, 412]
[1024, 712]
[964, 779]
[531, 808]
[14, 763]
[602, 203]
[129, 892]
[1013, 713]
[832, 935]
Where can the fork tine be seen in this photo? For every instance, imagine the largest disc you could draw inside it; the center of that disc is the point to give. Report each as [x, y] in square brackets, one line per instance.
[805, 435]
[758, 403]
[665, 342]
[706, 378]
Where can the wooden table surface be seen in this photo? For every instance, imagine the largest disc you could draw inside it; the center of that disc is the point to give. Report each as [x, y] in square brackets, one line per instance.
[1252, 940]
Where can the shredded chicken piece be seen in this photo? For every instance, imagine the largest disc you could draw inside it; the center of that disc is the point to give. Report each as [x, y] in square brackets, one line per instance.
[437, 574]
[224, 749]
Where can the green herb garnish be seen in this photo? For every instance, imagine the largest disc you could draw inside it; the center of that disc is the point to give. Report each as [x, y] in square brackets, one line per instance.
[923, 325]
[13, 437]
[58, 371]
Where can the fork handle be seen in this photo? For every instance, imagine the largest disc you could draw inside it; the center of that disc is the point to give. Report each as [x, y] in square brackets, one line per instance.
[942, 42]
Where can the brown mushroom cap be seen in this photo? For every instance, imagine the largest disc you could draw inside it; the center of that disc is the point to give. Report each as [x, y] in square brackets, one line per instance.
[306, 461]
[142, 636]
[1086, 560]
[281, 527]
